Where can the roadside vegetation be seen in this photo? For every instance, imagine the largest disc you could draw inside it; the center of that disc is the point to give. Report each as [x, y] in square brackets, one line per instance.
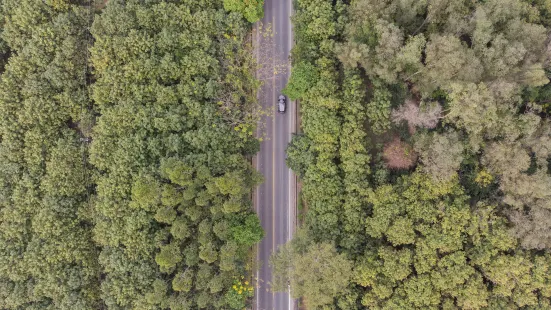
[424, 157]
[125, 145]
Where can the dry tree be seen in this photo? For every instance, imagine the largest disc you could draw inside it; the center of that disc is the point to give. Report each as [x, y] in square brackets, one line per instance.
[399, 155]
[425, 115]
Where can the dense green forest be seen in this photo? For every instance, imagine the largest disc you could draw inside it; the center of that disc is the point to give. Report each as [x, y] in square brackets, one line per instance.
[126, 135]
[125, 145]
[424, 157]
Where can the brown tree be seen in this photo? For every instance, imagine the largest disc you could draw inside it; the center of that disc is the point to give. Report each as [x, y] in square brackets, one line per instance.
[532, 228]
[399, 155]
[425, 115]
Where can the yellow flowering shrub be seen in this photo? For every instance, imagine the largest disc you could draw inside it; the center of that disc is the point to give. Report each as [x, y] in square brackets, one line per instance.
[240, 291]
[484, 178]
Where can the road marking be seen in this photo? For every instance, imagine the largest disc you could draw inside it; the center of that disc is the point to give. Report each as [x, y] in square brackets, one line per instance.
[292, 182]
[257, 196]
[274, 132]
[290, 174]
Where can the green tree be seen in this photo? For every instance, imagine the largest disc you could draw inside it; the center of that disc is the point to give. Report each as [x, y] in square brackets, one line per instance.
[441, 154]
[183, 282]
[171, 163]
[522, 189]
[424, 43]
[473, 245]
[47, 253]
[378, 109]
[247, 230]
[169, 255]
[455, 72]
[299, 154]
[303, 77]
[252, 10]
[319, 273]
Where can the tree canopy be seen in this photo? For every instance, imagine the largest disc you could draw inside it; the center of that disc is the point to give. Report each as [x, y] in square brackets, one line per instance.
[125, 182]
[252, 10]
[424, 157]
[47, 256]
[173, 195]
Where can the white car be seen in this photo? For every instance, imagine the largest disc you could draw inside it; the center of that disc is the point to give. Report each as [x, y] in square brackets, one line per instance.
[281, 104]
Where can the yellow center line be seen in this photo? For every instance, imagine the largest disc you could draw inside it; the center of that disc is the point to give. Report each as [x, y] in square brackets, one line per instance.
[274, 131]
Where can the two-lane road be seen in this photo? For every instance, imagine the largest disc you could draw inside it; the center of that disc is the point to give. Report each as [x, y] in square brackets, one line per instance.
[275, 199]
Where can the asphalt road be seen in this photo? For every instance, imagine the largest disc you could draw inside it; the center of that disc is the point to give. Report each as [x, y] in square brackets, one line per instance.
[275, 199]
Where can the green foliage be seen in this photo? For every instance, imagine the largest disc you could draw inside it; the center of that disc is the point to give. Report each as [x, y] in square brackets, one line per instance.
[172, 165]
[176, 171]
[183, 282]
[318, 273]
[325, 118]
[48, 259]
[145, 192]
[441, 154]
[303, 77]
[539, 95]
[238, 294]
[299, 155]
[252, 10]
[472, 87]
[378, 110]
[157, 297]
[247, 230]
[511, 162]
[355, 159]
[540, 12]
[473, 245]
[431, 51]
[180, 228]
[316, 23]
[169, 255]
[105, 201]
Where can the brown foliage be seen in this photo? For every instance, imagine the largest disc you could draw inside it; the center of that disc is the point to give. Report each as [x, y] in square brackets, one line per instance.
[100, 4]
[399, 155]
[532, 228]
[426, 115]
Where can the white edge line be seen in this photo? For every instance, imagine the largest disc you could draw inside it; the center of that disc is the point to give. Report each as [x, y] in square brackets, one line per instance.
[291, 124]
[257, 194]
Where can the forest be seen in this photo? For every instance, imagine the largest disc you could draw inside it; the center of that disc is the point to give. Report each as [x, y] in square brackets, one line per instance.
[125, 146]
[127, 132]
[424, 156]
